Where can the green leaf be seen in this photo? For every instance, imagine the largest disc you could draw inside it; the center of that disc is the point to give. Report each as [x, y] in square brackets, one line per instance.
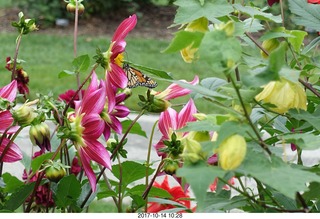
[217, 49]
[204, 125]
[156, 72]
[68, 191]
[19, 197]
[136, 128]
[216, 201]
[306, 141]
[37, 162]
[65, 73]
[287, 203]
[297, 41]
[193, 9]
[311, 45]
[274, 172]
[313, 193]
[199, 177]
[12, 183]
[313, 119]
[154, 192]
[131, 171]
[85, 189]
[308, 15]
[81, 63]
[166, 202]
[257, 13]
[182, 39]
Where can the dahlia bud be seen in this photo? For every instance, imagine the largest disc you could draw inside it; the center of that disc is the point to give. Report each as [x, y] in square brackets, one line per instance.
[25, 114]
[231, 152]
[170, 167]
[159, 105]
[269, 46]
[40, 135]
[54, 170]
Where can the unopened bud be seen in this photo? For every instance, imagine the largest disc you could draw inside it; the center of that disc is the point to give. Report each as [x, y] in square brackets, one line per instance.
[25, 114]
[40, 135]
[159, 105]
[269, 46]
[170, 167]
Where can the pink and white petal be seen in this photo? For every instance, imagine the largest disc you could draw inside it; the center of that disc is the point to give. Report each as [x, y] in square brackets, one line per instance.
[93, 125]
[111, 98]
[176, 91]
[94, 84]
[160, 145]
[117, 76]
[118, 48]
[115, 125]
[97, 152]
[85, 160]
[168, 122]
[121, 111]
[9, 91]
[13, 154]
[6, 120]
[124, 28]
[186, 114]
[93, 102]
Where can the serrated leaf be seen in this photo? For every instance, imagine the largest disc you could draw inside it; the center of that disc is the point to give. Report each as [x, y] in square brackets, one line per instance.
[81, 63]
[12, 183]
[136, 128]
[130, 171]
[306, 141]
[313, 193]
[68, 191]
[274, 172]
[313, 119]
[193, 9]
[308, 15]
[19, 197]
[257, 13]
[215, 201]
[200, 177]
[65, 73]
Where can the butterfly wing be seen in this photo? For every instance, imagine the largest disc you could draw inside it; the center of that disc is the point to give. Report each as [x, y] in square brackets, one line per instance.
[137, 78]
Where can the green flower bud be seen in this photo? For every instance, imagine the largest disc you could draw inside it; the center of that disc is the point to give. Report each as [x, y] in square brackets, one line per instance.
[25, 114]
[269, 46]
[40, 135]
[54, 170]
[231, 152]
[159, 105]
[170, 166]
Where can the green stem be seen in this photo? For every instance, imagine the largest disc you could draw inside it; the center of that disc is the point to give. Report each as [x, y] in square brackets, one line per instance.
[148, 160]
[16, 56]
[75, 37]
[246, 114]
[146, 192]
[120, 185]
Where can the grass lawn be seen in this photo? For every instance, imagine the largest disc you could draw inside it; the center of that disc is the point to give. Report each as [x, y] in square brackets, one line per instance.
[47, 55]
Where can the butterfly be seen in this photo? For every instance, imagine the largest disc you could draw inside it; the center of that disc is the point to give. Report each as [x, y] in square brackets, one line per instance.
[137, 78]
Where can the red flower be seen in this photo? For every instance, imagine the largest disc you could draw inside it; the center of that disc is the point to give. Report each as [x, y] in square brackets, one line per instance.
[213, 186]
[271, 2]
[177, 193]
[314, 1]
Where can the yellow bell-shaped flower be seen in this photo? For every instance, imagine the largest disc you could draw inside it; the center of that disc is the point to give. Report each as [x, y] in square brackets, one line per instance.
[231, 152]
[284, 94]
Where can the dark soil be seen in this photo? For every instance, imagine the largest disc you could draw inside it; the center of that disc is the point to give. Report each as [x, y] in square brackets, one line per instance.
[153, 22]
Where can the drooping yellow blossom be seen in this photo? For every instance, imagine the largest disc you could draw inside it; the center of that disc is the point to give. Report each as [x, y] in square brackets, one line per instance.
[284, 94]
[269, 45]
[231, 152]
[189, 53]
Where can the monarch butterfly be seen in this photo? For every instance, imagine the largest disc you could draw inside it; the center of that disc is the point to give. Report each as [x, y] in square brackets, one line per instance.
[137, 78]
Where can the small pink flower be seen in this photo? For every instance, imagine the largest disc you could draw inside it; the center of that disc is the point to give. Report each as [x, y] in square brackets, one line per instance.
[114, 56]
[170, 122]
[87, 127]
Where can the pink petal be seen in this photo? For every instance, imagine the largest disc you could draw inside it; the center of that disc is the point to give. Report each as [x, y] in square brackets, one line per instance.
[94, 84]
[13, 154]
[93, 102]
[186, 114]
[97, 152]
[121, 111]
[177, 91]
[87, 168]
[106, 132]
[115, 125]
[117, 49]
[93, 124]
[6, 120]
[117, 76]
[167, 121]
[124, 28]
[9, 91]
[160, 145]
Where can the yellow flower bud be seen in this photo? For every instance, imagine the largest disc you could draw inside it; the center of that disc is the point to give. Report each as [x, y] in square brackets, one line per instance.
[284, 94]
[200, 25]
[231, 152]
[189, 54]
[269, 46]
[228, 28]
